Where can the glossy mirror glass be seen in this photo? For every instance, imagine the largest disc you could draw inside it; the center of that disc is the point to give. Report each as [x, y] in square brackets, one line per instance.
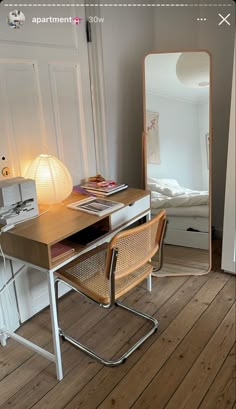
[177, 110]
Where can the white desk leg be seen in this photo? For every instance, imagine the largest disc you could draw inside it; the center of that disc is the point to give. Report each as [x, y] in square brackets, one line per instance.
[149, 282]
[3, 339]
[149, 278]
[55, 329]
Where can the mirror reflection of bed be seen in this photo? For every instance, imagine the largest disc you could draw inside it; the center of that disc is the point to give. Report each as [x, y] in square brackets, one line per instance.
[177, 129]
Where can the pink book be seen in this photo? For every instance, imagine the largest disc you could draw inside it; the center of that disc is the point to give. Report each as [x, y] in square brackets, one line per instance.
[60, 250]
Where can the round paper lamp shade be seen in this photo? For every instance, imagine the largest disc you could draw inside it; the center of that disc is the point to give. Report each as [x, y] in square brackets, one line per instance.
[192, 69]
[53, 180]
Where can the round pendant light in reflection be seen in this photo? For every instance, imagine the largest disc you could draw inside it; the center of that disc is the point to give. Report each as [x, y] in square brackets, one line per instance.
[192, 69]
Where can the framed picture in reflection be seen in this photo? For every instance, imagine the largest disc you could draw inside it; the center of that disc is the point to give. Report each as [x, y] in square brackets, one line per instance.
[152, 134]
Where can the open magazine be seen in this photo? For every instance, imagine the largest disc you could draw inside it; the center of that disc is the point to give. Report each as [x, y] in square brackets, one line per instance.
[96, 206]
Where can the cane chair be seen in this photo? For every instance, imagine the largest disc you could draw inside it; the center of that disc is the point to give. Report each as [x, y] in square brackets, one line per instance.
[109, 271]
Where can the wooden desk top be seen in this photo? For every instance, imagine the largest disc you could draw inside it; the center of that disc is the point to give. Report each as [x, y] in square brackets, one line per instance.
[60, 222]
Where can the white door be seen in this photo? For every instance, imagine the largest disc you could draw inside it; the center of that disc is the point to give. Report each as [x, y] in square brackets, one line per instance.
[45, 107]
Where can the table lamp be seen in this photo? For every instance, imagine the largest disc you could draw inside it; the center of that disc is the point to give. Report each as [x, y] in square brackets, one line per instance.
[53, 180]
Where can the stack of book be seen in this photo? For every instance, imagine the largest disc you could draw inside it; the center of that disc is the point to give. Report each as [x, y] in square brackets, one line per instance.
[105, 188]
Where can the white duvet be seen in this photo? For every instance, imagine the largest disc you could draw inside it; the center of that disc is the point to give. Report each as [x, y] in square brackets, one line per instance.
[168, 193]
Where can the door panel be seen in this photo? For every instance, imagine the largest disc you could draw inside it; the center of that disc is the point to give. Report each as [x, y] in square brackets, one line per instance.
[68, 108]
[23, 105]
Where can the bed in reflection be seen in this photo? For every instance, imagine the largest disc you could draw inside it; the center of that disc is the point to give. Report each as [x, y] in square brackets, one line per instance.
[176, 140]
[187, 212]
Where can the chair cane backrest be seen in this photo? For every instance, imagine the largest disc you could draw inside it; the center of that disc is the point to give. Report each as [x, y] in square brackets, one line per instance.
[136, 246]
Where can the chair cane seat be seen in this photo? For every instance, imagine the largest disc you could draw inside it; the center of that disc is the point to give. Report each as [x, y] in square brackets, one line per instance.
[86, 277]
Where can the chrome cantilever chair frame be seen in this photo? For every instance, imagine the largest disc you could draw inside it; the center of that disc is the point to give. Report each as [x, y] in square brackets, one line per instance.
[112, 301]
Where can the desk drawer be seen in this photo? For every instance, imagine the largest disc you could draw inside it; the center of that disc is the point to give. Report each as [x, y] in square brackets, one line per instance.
[129, 212]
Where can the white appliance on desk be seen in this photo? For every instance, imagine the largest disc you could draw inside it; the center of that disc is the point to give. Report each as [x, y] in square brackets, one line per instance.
[18, 200]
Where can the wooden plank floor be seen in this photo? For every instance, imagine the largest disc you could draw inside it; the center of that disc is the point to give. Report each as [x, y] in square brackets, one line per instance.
[188, 364]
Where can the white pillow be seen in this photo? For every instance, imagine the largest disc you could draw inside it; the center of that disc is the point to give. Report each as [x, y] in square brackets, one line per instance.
[166, 187]
[168, 182]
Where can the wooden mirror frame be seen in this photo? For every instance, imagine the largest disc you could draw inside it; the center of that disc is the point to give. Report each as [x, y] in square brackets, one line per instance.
[156, 271]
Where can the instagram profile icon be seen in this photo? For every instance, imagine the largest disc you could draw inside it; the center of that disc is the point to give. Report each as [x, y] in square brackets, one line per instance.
[16, 19]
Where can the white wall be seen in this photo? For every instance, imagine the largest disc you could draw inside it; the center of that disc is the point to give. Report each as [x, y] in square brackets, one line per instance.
[219, 40]
[128, 34]
[127, 37]
[229, 236]
[178, 29]
[180, 150]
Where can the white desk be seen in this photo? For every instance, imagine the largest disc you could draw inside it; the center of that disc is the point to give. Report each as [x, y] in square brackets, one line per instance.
[31, 241]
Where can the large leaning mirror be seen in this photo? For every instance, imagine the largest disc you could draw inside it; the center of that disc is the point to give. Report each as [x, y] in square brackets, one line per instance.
[177, 135]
